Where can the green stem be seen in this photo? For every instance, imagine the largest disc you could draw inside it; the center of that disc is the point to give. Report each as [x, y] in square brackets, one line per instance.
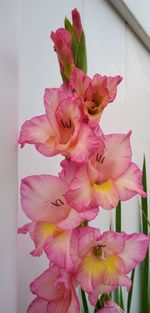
[84, 301]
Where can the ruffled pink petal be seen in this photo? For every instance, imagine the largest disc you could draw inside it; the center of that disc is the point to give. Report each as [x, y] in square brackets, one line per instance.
[105, 88]
[60, 306]
[79, 195]
[87, 240]
[89, 215]
[58, 250]
[113, 242]
[79, 81]
[130, 183]
[87, 143]
[110, 307]
[39, 132]
[36, 130]
[52, 97]
[42, 198]
[43, 232]
[112, 83]
[45, 287]
[74, 306]
[68, 117]
[71, 221]
[99, 290]
[68, 171]
[136, 246]
[116, 157]
[37, 306]
[106, 195]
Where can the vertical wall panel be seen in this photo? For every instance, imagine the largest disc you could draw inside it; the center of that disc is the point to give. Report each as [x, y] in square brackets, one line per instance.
[8, 153]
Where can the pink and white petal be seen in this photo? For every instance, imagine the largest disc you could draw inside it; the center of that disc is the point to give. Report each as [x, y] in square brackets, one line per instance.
[72, 220]
[114, 242]
[42, 198]
[37, 306]
[114, 270]
[43, 231]
[69, 118]
[52, 97]
[79, 196]
[89, 215]
[112, 83]
[68, 171]
[79, 82]
[106, 195]
[136, 246]
[58, 250]
[90, 273]
[87, 240]
[110, 307]
[48, 149]
[34, 131]
[58, 306]
[27, 228]
[74, 306]
[44, 286]
[117, 156]
[130, 183]
[100, 289]
[87, 143]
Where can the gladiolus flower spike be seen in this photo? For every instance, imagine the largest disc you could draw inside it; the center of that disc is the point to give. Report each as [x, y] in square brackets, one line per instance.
[97, 172]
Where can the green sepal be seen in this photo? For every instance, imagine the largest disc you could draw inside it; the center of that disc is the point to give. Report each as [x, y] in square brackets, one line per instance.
[70, 28]
[81, 57]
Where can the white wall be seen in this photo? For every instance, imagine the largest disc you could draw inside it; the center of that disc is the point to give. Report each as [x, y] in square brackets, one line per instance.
[8, 153]
[112, 49]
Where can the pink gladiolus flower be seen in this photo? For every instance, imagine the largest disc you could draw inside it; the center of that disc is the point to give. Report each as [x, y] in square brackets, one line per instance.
[52, 219]
[61, 130]
[62, 45]
[96, 93]
[110, 176]
[106, 259]
[110, 307]
[55, 291]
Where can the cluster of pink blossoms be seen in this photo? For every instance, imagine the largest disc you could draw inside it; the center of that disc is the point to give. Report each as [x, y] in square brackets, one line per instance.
[97, 172]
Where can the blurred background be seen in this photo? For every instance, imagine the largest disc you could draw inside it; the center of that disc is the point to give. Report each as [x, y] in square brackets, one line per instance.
[118, 42]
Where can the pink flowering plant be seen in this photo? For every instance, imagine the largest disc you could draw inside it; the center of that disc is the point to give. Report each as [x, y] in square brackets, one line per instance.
[97, 172]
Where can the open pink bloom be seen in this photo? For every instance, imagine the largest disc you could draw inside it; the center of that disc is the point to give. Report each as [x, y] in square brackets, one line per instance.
[52, 219]
[110, 307]
[62, 45]
[55, 291]
[110, 176]
[96, 93]
[106, 259]
[61, 129]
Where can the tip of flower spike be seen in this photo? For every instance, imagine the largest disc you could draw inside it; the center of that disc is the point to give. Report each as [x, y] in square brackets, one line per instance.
[77, 23]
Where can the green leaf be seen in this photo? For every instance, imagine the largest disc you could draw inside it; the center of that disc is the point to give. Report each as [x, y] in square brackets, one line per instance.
[118, 217]
[145, 285]
[84, 301]
[116, 296]
[130, 292]
[144, 201]
[81, 58]
[121, 299]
